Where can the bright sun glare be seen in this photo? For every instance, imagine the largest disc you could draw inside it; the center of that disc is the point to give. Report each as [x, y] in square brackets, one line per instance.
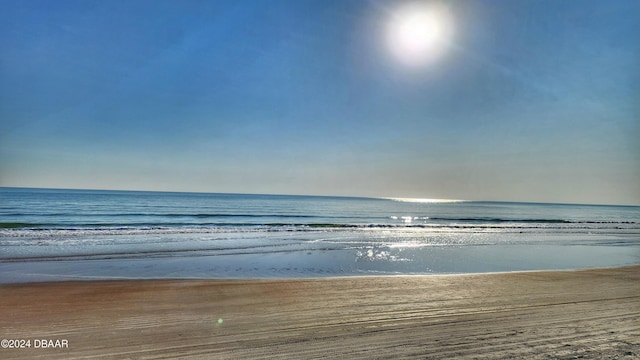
[417, 33]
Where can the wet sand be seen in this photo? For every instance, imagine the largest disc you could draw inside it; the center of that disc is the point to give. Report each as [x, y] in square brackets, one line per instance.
[590, 314]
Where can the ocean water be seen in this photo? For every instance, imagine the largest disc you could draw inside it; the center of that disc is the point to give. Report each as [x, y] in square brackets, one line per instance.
[51, 235]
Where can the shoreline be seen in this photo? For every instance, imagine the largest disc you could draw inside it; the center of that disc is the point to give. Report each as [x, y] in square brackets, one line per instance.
[88, 279]
[588, 313]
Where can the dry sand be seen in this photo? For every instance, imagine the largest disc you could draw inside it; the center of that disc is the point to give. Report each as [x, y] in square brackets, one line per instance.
[593, 314]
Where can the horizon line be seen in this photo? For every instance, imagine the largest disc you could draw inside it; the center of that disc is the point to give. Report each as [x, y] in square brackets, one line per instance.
[390, 198]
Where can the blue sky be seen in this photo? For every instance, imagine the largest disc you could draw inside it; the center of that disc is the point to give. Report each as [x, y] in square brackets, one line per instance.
[526, 100]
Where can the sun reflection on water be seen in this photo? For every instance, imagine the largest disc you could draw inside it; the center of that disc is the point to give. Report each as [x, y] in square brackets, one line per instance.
[425, 201]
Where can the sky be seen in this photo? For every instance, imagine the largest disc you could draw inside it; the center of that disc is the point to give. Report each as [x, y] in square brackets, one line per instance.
[516, 100]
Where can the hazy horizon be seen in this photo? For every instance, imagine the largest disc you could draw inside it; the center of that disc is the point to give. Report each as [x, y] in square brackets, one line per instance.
[526, 101]
[399, 199]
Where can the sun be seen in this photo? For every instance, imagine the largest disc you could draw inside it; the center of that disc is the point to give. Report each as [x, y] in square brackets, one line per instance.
[417, 33]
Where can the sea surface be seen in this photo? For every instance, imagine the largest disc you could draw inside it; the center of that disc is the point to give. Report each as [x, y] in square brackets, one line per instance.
[52, 235]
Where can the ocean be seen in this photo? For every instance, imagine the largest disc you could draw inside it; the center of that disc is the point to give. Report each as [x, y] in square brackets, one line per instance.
[53, 235]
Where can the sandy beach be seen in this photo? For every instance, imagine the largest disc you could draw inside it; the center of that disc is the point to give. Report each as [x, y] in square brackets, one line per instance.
[592, 314]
